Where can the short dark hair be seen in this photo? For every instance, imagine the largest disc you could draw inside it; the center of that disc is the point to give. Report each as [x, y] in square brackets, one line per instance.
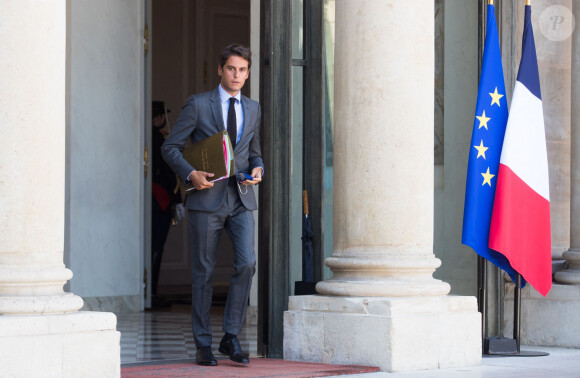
[238, 50]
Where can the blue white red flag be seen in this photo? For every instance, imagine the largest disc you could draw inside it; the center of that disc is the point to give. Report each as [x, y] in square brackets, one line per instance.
[520, 224]
[489, 126]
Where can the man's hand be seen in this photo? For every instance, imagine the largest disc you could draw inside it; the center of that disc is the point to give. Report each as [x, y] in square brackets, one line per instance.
[256, 174]
[199, 180]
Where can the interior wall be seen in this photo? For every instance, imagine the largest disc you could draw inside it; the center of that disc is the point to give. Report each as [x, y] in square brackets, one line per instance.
[187, 37]
[555, 69]
[173, 49]
[105, 148]
[173, 79]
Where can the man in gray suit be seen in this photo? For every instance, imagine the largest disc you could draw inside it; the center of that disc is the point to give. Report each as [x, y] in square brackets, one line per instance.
[220, 205]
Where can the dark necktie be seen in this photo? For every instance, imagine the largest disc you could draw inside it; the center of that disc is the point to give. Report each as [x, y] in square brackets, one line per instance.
[232, 123]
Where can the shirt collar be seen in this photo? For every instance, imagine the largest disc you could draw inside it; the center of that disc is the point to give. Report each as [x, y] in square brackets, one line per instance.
[225, 96]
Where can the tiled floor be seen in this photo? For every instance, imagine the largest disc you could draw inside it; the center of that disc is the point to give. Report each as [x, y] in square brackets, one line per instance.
[166, 335]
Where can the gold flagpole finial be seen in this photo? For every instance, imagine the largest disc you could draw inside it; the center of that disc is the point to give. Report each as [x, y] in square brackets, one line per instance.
[528, 2]
[489, 2]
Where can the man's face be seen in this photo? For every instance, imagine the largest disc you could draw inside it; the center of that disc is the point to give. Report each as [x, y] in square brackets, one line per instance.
[234, 74]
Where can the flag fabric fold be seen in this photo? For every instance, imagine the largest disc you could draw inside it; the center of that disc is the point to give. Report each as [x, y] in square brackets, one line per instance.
[491, 115]
[520, 223]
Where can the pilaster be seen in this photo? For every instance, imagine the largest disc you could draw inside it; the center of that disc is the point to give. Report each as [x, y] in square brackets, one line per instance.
[571, 274]
[554, 64]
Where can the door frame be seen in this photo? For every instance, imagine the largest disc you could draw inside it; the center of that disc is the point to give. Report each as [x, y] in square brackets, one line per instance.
[147, 153]
[274, 203]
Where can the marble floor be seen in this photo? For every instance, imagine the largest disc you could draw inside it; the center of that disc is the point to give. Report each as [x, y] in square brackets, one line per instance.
[560, 363]
[151, 336]
[162, 336]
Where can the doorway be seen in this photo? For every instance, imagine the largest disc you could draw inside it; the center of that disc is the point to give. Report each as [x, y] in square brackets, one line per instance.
[286, 38]
[186, 37]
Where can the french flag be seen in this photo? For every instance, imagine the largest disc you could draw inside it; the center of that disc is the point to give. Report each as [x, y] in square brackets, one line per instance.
[520, 222]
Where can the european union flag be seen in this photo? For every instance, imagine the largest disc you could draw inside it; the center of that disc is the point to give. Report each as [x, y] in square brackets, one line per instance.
[489, 126]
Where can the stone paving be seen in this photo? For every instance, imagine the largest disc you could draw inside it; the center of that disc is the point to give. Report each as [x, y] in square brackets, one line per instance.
[561, 363]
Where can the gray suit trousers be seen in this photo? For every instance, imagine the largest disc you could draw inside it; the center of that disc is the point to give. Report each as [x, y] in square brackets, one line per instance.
[205, 231]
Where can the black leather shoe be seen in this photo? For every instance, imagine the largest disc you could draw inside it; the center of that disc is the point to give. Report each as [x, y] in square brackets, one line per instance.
[205, 357]
[231, 347]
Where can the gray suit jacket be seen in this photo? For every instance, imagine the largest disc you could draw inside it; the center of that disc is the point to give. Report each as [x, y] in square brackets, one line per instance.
[201, 117]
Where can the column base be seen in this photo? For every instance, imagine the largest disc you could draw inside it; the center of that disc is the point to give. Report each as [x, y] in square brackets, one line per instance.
[383, 288]
[40, 305]
[395, 334]
[571, 274]
[81, 344]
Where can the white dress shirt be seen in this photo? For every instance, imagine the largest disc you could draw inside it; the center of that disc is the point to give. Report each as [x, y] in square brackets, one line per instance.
[225, 99]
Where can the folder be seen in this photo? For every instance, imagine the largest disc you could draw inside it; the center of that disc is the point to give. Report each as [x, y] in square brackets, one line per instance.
[214, 154]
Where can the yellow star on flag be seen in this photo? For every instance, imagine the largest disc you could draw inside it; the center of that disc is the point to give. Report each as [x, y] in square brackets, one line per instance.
[487, 178]
[483, 120]
[495, 97]
[481, 150]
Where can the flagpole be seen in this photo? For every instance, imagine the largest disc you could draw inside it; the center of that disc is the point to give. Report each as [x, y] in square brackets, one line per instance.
[517, 310]
[518, 322]
[475, 234]
[482, 262]
[482, 296]
[499, 346]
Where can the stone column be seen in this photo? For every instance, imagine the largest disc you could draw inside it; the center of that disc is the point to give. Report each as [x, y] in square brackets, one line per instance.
[383, 143]
[57, 340]
[383, 298]
[32, 273]
[554, 64]
[571, 275]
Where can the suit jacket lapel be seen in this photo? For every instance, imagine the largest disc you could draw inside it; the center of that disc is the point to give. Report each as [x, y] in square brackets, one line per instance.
[216, 109]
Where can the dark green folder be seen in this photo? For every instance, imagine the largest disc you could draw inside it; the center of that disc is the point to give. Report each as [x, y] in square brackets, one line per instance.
[208, 155]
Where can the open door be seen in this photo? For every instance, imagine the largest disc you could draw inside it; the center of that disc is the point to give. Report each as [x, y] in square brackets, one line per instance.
[147, 154]
[105, 178]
